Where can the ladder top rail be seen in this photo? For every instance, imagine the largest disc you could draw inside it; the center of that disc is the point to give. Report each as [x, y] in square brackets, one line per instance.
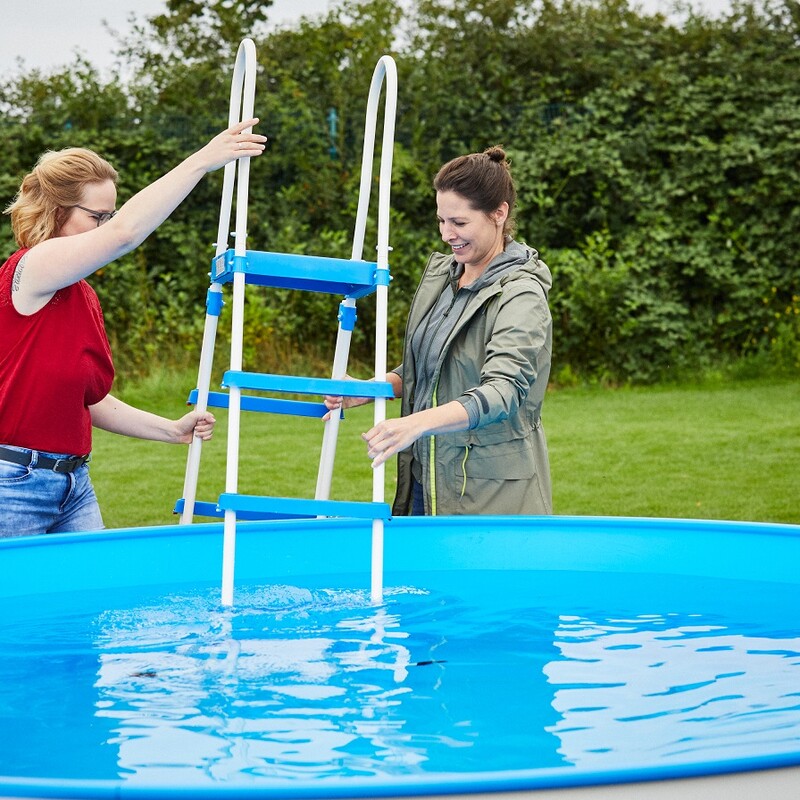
[384, 69]
[247, 111]
[241, 105]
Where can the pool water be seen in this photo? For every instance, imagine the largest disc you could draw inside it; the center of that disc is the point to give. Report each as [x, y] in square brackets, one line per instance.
[454, 671]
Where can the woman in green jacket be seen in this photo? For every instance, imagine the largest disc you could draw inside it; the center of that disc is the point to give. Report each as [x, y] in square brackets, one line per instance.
[476, 360]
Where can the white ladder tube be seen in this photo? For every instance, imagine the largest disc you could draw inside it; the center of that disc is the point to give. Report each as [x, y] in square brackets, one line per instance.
[343, 337]
[234, 425]
[384, 68]
[331, 430]
[248, 58]
[201, 405]
[242, 96]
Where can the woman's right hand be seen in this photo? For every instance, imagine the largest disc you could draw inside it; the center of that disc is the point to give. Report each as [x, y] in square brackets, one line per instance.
[332, 403]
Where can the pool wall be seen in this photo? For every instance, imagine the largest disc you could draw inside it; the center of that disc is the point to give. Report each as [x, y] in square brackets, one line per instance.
[147, 556]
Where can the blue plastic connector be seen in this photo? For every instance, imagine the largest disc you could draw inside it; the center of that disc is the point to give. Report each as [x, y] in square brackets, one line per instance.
[214, 303]
[347, 317]
[382, 277]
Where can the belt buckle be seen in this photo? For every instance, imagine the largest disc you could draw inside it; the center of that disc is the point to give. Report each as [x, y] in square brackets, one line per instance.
[64, 465]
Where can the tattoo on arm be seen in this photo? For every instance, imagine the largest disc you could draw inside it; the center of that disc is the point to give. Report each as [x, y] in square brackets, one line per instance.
[18, 274]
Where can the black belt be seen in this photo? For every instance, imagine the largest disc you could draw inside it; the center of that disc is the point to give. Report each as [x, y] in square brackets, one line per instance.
[62, 465]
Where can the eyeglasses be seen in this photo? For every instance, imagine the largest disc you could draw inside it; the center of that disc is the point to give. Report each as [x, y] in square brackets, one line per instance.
[99, 216]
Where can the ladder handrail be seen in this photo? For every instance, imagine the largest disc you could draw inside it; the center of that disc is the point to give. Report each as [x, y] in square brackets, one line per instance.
[242, 103]
[382, 313]
[237, 335]
[385, 70]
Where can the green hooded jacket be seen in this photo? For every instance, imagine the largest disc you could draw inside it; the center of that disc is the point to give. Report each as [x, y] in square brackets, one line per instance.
[497, 353]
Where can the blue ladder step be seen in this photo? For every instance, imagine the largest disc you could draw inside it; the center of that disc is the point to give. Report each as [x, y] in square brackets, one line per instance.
[294, 507]
[298, 385]
[292, 271]
[269, 405]
[206, 509]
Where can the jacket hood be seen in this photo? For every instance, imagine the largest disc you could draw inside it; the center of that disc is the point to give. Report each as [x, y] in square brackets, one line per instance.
[516, 260]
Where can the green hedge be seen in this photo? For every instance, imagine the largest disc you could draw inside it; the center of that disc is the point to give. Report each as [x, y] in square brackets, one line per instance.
[657, 161]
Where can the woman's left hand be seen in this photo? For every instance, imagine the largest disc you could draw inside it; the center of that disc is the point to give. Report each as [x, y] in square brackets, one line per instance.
[194, 424]
[391, 436]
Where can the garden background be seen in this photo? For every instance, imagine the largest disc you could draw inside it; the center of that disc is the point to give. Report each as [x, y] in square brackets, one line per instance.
[658, 163]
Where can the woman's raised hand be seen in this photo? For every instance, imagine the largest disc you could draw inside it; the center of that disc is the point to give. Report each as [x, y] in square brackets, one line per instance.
[235, 142]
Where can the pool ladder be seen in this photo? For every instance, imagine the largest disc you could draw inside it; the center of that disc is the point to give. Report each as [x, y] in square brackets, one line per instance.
[351, 278]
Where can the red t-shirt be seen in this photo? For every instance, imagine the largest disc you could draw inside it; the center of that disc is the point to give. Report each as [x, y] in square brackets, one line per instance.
[54, 364]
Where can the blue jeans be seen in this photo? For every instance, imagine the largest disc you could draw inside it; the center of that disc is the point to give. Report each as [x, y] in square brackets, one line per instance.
[42, 501]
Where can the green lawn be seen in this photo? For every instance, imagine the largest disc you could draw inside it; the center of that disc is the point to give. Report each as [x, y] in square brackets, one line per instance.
[727, 451]
[717, 452]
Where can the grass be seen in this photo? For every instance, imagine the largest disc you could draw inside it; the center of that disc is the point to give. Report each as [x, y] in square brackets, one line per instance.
[726, 451]
[715, 451]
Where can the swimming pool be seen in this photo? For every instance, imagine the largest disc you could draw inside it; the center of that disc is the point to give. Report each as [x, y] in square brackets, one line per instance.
[549, 655]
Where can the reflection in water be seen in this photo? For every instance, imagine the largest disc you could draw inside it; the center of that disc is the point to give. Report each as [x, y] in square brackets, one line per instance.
[289, 682]
[677, 688]
[503, 671]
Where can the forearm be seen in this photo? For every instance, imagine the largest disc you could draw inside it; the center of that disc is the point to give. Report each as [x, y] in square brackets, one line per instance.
[62, 260]
[335, 401]
[391, 378]
[393, 435]
[397, 383]
[448, 418]
[115, 416]
[147, 209]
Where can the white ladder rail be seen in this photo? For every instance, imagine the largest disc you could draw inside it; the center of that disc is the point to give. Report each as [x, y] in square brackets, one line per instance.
[385, 67]
[237, 333]
[241, 105]
[386, 70]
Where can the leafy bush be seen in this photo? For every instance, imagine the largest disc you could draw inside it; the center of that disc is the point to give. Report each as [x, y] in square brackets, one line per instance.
[657, 164]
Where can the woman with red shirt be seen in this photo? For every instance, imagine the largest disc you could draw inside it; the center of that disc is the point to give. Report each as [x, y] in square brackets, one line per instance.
[56, 368]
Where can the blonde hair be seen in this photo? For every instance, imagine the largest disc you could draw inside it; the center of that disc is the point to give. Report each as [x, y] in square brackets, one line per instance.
[54, 185]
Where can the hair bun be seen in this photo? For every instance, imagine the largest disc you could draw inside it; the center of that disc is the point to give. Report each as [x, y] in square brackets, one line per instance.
[496, 153]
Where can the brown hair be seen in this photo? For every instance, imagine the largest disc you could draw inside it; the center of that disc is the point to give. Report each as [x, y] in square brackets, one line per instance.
[484, 180]
[56, 183]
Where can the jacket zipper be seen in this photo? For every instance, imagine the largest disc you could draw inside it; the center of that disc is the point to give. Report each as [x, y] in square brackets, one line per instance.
[432, 461]
[464, 470]
[432, 446]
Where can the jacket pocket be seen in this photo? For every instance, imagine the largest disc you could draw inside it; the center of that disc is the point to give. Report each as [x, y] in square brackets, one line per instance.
[509, 460]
